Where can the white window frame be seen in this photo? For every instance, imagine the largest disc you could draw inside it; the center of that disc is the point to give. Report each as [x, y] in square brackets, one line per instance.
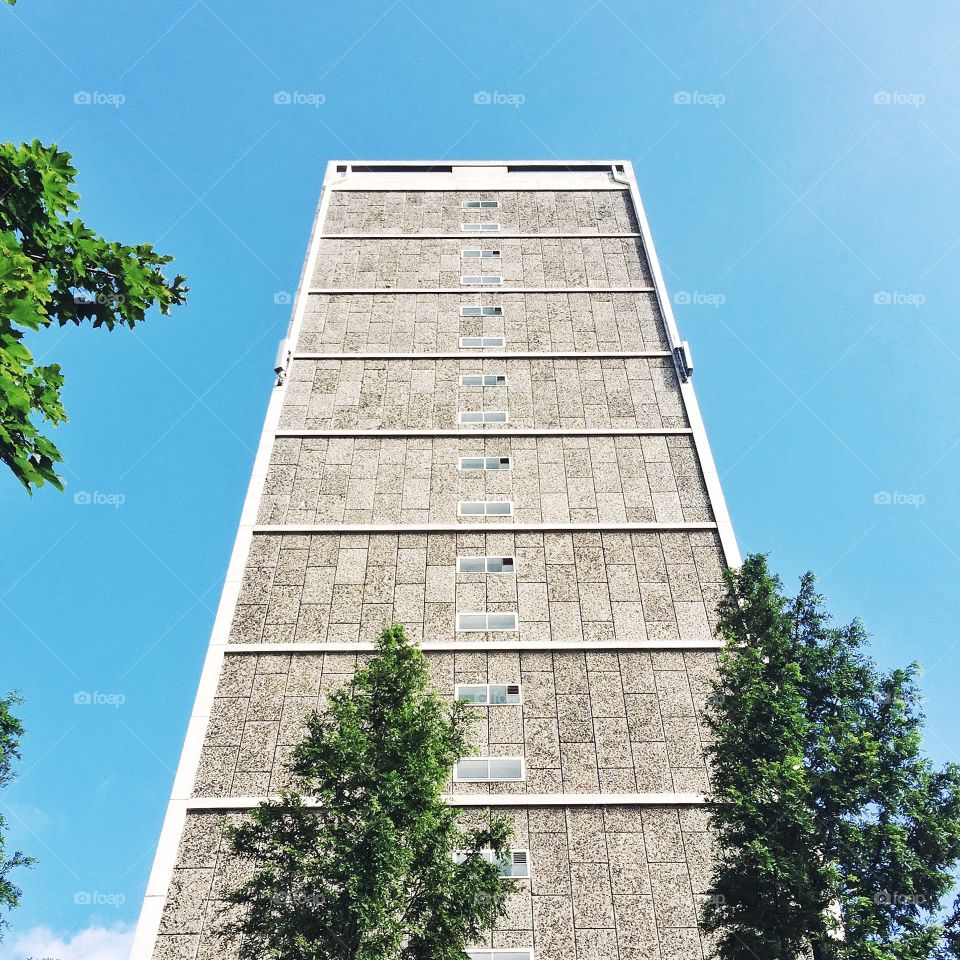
[496, 343]
[468, 417]
[481, 281]
[486, 558]
[478, 204]
[519, 953]
[480, 227]
[472, 310]
[473, 703]
[486, 504]
[487, 463]
[487, 614]
[488, 778]
[509, 856]
[475, 253]
[499, 379]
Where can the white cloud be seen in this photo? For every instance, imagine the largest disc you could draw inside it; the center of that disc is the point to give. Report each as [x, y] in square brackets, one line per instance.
[94, 943]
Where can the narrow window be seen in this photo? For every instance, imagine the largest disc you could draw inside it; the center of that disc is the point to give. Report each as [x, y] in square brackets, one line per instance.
[485, 463]
[479, 227]
[489, 768]
[500, 954]
[483, 380]
[480, 254]
[472, 622]
[485, 565]
[482, 416]
[479, 204]
[488, 694]
[513, 863]
[483, 343]
[481, 311]
[485, 508]
[490, 281]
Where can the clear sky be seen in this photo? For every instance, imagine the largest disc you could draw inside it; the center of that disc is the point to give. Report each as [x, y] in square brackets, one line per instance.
[799, 162]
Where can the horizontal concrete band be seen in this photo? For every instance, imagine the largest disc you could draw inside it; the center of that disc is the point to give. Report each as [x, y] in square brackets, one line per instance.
[477, 288]
[468, 235]
[491, 354]
[475, 647]
[487, 433]
[402, 528]
[494, 800]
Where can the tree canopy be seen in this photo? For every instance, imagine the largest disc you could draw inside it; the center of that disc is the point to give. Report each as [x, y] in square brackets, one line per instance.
[55, 270]
[836, 834]
[11, 730]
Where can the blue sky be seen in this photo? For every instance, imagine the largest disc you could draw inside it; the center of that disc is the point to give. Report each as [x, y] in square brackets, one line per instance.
[798, 160]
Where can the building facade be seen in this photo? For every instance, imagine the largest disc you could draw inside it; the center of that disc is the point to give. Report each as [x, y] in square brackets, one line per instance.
[483, 428]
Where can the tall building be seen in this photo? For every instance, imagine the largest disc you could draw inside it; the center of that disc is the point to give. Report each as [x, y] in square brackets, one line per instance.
[483, 428]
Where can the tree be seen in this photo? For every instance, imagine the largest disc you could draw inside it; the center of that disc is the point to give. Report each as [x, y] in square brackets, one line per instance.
[11, 730]
[836, 835]
[372, 864]
[53, 269]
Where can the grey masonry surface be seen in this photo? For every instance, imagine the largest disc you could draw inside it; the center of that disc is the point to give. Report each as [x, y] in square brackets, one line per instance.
[611, 703]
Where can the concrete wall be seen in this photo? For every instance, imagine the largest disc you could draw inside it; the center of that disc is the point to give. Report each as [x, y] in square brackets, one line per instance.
[607, 883]
[546, 394]
[431, 322]
[588, 587]
[535, 211]
[606, 721]
[530, 262]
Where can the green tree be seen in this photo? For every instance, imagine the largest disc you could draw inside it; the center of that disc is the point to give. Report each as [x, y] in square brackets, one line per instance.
[836, 835]
[53, 269]
[11, 730]
[373, 865]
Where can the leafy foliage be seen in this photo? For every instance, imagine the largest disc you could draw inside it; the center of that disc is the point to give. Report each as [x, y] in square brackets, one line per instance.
[53, 269]
[11, 730]
[836, 834]
[365, 868]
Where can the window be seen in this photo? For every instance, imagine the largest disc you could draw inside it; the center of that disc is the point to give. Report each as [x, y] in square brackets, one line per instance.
[513, 863]
[485, 463]
[483, 343]
[471, 622]
[485, 565]
[488, 694]
[482, 416]
[483, 380]
[480, 254]
[479, 204]
[485, 508]
[500, 954]
[489, 768]
[479, 227]
[483, 281]
[481, 311]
